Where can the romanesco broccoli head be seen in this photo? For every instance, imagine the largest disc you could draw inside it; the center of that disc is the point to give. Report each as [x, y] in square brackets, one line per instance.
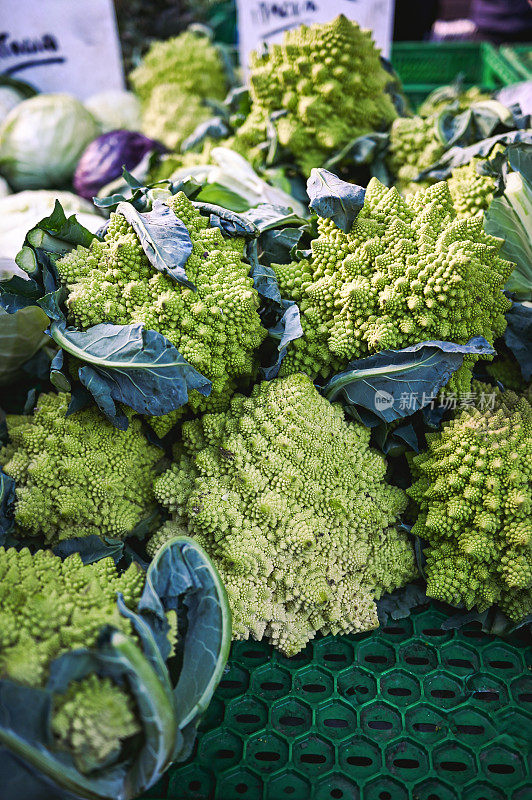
[49, 607]
[328, 81]
[473, 489]
[78, 475]
[471, 191]
[216, 328]
[408, 271]
[173, 81]
[414, 146]
[291, 504]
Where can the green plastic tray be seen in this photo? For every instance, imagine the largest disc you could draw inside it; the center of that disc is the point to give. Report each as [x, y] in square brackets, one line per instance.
[423, 66]
[408, 712]
[520, 59]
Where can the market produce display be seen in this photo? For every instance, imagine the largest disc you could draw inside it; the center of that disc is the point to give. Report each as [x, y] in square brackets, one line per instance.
[265, 376]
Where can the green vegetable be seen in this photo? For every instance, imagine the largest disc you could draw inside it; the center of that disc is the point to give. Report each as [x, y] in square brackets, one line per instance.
[510, 216]
[473, 491]
[21, 211]
[407, 272]
[41, 140]
[319, 89]
[441, 98]
[173, 81]
[21, 336]
[93, 706]
[77, 475]
[214, 325]
[472, 192]
[414, 145]
[291, 504]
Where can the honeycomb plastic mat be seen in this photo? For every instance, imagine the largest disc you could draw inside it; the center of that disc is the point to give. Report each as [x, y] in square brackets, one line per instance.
[408, 712]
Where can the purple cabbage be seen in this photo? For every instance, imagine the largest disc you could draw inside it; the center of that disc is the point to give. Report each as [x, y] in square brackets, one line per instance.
[103, 159]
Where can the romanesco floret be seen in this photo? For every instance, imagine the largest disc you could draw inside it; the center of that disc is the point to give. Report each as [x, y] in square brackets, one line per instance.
[78, 475]
[329, 84]
[49, 607]
[408, 271]
[173, 81]
[290, 502]
[473, 491]
[91, 721]
[216, 328]
[471, 191]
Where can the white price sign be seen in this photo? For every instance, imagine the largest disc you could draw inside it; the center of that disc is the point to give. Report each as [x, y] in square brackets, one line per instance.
[266, 20]
[61, 45]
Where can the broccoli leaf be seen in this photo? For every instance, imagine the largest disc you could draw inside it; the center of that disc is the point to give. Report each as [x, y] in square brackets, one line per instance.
[229, 222]
[264, 278]
[267, 216]
[276, 245]
[400, 603]
[51, 238]
[492, 621]
[164, 238]
[90, 549]
[518, 336]
[458, 156]
[510, 217]
[396, 383]
[286, 328]
[131, 365]
[183, 576]
[335, 199]
[395, 440]
[7, 505]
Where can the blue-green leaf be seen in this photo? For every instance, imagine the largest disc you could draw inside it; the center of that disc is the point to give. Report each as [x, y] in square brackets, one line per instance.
[264, 278]
[164, 238]
[335, 199]
[182, 572]
[518, 336]
[509, 216]
[396, 383]
[7, 505]
[230, 223]
[400, 603]
[267, 216]
[90, 549]
[287, 327]
[458, 156]
[131, 365]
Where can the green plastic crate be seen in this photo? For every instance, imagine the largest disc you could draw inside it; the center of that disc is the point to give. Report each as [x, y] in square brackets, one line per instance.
[520, 59]
[408, 712]
[424, 66]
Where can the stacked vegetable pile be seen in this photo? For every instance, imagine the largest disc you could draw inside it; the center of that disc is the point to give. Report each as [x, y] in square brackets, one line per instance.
[224, 402]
